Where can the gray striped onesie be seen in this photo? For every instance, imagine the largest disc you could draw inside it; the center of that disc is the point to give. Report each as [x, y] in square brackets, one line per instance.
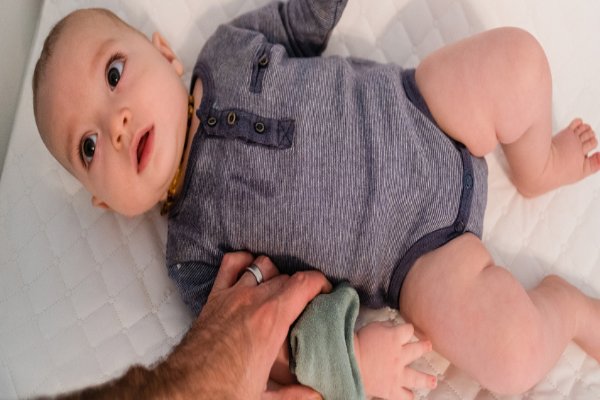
[320, 163]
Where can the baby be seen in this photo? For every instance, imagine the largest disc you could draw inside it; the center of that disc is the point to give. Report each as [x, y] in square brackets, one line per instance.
[364, 171]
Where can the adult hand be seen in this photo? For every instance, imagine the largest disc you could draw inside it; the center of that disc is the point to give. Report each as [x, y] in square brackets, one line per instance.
[229, 350]
[237, 337]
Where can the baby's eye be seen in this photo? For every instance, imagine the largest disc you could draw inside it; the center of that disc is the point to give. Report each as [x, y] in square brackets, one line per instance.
[114, 74]
[88, 147]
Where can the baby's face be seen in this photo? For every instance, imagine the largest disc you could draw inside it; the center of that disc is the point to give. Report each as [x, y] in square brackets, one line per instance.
[113, 111]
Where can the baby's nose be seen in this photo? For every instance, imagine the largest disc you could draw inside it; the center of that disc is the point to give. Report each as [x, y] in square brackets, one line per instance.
[120, 127]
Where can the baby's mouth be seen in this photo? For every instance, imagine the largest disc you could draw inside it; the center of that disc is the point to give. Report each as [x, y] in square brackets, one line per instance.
[142, 146]
[142, 153]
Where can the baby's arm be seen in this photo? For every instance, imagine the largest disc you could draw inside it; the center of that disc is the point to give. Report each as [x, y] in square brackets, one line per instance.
[303, 27]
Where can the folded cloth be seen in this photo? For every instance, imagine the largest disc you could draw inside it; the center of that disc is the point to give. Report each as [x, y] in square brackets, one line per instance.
[322, 345]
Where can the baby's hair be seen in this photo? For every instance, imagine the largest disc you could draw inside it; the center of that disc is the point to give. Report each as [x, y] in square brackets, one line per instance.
[52, 39]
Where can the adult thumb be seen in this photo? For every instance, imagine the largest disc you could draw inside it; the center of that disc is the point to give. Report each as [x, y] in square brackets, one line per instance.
[292, 392]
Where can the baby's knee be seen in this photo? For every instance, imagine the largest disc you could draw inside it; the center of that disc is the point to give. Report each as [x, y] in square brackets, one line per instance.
[521, 43]
[528, 58]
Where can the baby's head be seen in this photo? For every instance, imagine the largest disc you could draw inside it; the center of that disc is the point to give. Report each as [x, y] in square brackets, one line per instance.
[111, 108]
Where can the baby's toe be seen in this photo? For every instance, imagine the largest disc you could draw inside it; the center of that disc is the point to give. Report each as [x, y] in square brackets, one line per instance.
[589, 145]
[577, 122]
[593, 163]
[583, 129]
[587, 135]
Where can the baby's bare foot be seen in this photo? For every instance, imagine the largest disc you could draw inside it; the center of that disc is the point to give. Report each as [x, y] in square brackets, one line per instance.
[570, 149]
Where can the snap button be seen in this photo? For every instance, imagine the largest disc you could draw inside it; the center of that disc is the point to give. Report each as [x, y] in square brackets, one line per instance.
[212, 121]
[264, 60]
[468, 181]
[459, 226]
[259, 127]
[231, 118]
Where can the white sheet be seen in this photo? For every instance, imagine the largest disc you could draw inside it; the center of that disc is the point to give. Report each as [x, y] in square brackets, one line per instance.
[84, 293]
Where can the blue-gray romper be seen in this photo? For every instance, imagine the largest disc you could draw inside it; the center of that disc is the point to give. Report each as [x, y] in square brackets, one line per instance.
[325, 163]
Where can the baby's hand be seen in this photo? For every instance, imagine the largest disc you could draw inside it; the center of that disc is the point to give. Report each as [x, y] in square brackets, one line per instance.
[383, 353]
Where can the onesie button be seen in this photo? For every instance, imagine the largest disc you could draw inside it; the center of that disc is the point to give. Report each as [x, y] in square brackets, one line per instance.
[468, 181]
[459, 226]
[231, 118]
[264, 61]
[259, 127]
[212, 121]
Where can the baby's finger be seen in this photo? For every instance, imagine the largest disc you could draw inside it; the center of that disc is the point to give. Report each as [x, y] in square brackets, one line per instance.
[412, 379]
[405, 332]
[402, 394]
[414, 350]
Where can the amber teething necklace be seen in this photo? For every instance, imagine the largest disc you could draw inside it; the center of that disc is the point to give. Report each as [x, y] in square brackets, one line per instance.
[167, 205]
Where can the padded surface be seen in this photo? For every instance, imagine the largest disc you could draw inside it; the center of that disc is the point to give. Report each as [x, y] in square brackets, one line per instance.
[84, 293]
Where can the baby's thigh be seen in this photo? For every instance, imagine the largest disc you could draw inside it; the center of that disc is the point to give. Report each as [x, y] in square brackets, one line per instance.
[486, 88]
[440, 282]
[468, 307]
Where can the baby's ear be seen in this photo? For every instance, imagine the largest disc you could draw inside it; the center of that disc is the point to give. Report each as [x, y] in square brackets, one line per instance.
[96, 202]
[162, 46]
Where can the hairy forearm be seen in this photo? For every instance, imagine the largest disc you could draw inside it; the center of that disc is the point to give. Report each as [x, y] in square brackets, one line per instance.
[185, 374]
[160, 383]
[138, 382]
[229, 350]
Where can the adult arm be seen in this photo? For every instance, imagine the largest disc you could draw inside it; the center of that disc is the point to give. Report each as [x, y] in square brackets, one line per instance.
[303, 27]
[229, 350]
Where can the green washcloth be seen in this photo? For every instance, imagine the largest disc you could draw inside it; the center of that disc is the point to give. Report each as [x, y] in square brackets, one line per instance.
[322, 345]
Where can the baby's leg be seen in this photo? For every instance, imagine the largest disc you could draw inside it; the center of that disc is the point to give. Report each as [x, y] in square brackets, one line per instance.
[496, 87]
[479, 317]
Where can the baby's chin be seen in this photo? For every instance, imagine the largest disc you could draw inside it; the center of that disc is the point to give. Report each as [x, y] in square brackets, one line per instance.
[133, 208]
[134, 212]
[130, 203]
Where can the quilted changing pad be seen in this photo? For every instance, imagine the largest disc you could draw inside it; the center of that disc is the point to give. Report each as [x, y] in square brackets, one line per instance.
[84, 293]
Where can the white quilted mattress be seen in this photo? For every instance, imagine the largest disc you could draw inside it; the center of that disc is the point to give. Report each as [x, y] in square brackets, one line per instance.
[84, 293]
